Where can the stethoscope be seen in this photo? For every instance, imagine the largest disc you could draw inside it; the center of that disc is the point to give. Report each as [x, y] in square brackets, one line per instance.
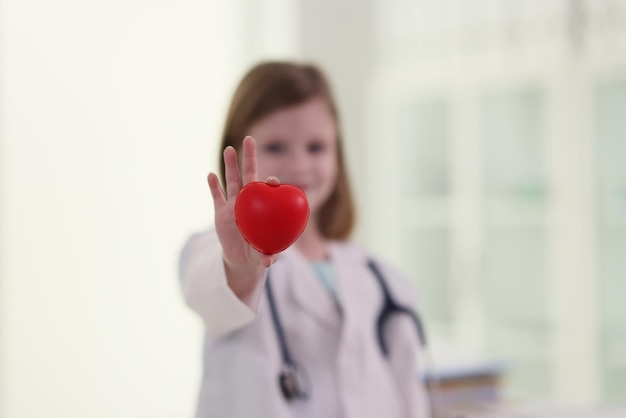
[293, 379]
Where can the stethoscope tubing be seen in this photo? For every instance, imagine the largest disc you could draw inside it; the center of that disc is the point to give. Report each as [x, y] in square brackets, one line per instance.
[389, 309]
[297, 376]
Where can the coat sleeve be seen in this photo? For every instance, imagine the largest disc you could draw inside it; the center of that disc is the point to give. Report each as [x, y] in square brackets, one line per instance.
[205, 289]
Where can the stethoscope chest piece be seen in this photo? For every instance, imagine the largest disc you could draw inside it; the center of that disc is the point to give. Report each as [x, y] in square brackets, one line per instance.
[293, 383]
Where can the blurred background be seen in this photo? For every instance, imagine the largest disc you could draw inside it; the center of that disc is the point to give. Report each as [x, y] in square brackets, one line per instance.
[486, 141]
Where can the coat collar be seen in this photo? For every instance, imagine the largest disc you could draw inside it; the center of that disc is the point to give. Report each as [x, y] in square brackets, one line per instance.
[307, 290]
[349, 265]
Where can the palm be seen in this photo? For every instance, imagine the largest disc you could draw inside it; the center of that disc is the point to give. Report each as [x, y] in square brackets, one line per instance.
[236, 250]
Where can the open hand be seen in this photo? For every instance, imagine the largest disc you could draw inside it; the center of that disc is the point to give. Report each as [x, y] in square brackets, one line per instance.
[239, 256]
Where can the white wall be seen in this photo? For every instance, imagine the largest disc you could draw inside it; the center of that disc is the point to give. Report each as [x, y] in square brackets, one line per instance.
[339, 36]
[110, 112]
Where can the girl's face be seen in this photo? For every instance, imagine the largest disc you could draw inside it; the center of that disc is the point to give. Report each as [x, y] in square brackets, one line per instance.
[299, 146]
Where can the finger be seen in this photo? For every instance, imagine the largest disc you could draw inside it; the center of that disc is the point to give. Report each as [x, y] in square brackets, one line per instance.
[249, 160]
[233, 182]
[272, 181]
[216, 190]
[268, 260]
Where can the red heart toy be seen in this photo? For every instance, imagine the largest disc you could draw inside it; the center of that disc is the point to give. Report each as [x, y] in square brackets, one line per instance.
[271, 217]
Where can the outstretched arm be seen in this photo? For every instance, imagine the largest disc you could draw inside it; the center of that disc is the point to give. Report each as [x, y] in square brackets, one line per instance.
[222, 276]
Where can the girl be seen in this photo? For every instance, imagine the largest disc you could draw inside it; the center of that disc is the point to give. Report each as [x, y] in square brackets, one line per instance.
[295, 335]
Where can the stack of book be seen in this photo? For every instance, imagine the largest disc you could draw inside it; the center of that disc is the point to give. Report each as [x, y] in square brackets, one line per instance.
[458, 378]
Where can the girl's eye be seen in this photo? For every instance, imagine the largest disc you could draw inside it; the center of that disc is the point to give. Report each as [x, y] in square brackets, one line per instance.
[316, 147]
[275, 148]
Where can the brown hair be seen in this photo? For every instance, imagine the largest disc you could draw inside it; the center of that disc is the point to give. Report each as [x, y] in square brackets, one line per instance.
[272, 86]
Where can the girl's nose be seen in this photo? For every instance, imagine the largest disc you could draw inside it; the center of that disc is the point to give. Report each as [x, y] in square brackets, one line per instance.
[299, 161]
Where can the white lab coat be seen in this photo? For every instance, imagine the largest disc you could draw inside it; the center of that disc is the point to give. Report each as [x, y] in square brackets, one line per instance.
[336, 345]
